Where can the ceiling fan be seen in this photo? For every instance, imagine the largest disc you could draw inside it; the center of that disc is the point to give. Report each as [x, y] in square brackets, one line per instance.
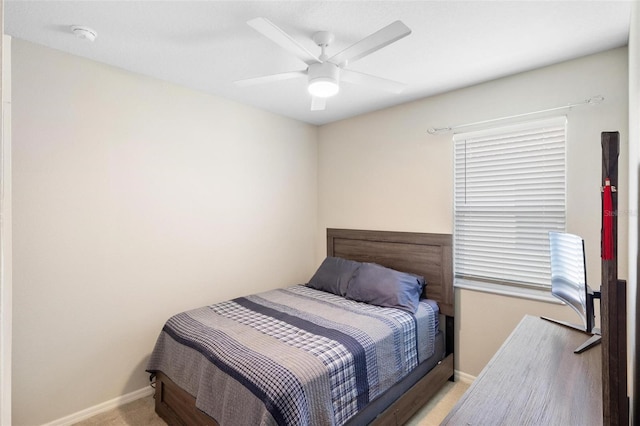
[325, 73]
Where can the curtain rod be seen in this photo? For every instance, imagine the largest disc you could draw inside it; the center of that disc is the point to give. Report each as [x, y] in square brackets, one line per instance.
[594, 100]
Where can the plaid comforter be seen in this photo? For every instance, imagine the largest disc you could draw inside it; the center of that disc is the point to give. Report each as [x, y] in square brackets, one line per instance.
[293, 356]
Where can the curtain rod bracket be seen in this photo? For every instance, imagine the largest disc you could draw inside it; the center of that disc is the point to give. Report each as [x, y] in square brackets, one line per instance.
[434, 131]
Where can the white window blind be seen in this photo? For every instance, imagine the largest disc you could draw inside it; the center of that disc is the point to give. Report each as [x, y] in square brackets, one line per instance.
[509, 193]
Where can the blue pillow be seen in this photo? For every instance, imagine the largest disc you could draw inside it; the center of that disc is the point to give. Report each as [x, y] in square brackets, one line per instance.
[386, 287]
[334, 275]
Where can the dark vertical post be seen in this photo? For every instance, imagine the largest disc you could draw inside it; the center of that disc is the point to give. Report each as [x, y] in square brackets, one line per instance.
[615, 409]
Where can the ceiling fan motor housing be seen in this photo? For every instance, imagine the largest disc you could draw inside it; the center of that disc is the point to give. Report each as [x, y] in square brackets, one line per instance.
[324, 78]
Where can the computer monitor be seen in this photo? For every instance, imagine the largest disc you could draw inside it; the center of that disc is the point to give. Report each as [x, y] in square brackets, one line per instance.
[569, 283]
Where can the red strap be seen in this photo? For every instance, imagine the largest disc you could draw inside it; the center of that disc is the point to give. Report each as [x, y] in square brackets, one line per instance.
[607, 222]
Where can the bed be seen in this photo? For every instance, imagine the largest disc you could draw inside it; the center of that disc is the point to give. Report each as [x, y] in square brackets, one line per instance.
[188, 378]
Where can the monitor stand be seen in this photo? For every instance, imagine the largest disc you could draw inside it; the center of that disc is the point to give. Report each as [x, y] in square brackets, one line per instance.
[593, 340]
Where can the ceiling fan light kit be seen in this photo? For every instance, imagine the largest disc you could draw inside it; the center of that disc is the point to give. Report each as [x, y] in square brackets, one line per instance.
[323, 79]
[324, 72]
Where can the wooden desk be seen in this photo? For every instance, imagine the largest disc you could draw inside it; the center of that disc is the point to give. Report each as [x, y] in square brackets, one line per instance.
[535, 379]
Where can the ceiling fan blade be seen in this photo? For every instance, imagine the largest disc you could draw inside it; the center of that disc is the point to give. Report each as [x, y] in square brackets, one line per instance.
[371, 81]
[284, 40]
[318, 104]
[270, 78]
[371, 43]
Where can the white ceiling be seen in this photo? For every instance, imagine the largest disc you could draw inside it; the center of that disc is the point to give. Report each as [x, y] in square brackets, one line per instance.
[207, 45]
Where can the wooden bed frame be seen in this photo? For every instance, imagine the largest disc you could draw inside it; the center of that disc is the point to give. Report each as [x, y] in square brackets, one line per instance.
[429, 255]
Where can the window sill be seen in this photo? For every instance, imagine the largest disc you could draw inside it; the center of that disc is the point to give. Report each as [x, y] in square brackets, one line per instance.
[506, 290]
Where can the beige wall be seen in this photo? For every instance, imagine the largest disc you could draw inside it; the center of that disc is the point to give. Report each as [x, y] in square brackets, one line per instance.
[135, 199]
[384, 171]
[5, 226]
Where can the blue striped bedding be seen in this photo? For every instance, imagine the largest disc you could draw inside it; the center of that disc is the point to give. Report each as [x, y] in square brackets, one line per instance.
[293, 356]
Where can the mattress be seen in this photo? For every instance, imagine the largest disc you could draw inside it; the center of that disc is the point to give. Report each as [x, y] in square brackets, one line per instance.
[293, 356]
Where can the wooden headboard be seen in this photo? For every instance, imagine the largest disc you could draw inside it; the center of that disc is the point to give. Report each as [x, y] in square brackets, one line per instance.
[429, 255]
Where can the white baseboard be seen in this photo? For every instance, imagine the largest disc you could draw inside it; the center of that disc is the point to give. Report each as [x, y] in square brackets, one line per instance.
[101, 408]
[464, 377]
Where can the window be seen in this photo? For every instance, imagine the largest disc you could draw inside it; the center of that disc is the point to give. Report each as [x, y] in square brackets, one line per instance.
[509, 193]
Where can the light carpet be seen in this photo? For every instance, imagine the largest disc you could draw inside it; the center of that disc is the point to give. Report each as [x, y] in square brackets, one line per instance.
[141, 412]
